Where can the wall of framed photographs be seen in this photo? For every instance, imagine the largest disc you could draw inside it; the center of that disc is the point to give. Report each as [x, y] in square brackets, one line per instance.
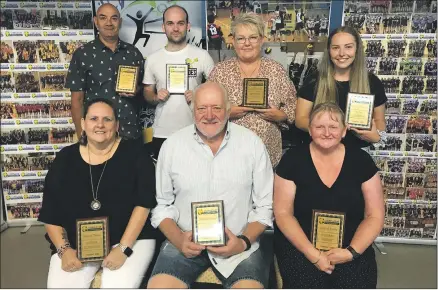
[37, 43]
[399, 38]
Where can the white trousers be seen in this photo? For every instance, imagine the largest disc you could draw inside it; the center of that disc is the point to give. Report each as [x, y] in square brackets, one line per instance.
[130, 275]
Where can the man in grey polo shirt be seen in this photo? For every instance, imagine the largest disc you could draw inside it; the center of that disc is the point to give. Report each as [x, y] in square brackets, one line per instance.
[213, 160]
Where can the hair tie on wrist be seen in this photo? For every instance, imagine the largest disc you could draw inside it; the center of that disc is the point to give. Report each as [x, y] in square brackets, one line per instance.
[319, 258]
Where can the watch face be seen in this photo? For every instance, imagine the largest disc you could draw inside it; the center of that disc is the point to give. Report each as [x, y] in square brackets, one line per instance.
[128, 252]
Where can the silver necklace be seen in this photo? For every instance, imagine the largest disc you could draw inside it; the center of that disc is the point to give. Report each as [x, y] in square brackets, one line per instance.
[95, 204]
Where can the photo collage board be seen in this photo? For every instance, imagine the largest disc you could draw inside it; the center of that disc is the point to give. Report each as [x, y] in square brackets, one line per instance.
[399, 39]
[37, 43]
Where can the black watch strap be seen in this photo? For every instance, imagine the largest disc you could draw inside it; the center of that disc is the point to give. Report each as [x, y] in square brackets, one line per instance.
[353, 252]
[246, 240]
[126, 250]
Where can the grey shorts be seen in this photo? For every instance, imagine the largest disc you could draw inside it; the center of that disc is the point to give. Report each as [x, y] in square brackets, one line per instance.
[172, 262]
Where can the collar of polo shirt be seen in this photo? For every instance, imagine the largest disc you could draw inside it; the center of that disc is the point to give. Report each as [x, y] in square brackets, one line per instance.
[99, 44]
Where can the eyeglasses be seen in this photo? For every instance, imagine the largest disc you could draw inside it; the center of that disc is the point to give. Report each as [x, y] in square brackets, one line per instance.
[252, 39]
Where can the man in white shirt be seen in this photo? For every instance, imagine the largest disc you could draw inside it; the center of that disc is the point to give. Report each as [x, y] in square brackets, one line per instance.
[213, 160]
[173, 111]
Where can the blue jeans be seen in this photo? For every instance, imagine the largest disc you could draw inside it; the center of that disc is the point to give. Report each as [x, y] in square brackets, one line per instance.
[172, 262]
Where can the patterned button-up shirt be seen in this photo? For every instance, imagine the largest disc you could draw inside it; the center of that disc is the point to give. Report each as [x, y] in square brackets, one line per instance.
[93, 69]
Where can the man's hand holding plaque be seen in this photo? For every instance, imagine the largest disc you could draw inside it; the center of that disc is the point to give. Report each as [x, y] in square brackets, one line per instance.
[162, 95]
[234, 246]
[189, 248]
[127, 77]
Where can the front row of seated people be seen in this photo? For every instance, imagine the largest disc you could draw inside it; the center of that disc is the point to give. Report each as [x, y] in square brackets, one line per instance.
[213, 159]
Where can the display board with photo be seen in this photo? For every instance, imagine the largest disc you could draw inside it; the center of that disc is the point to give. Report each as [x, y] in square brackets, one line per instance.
[53, 81]
[7, 82]
[67, 49]
[27, 82]
[36, 47]
[400, 44]
[26, 19]
[6, 52]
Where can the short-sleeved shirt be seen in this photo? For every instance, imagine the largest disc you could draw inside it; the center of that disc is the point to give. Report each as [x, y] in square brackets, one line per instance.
[128, 181]
[175, 114]
[308, 92]
[93, 70]
[281, 94]
[345, 195]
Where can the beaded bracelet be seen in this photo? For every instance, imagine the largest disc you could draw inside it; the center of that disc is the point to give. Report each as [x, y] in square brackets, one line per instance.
[61, 250]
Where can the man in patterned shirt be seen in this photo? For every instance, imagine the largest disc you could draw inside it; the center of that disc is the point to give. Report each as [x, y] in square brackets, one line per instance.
[93, 73]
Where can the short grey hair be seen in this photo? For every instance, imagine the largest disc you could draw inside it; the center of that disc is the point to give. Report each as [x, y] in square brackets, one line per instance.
[224, 94]
[249, 19]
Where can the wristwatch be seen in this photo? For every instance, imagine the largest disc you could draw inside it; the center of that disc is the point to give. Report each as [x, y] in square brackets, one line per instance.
[353, 252]
[246, 240]
[125, 250]
[382, 140]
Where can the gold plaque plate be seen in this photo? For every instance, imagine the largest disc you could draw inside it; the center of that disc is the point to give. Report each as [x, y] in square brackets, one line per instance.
[92, 239]
[208, 224]
[255, 93]
[127, 79]
[327, 229]
[359, 111]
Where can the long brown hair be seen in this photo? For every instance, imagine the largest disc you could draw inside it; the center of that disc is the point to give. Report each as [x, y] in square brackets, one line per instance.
[326, 90]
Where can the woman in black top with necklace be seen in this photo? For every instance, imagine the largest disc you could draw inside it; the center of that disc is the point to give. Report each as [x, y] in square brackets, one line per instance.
[322, 249]
[342, 70]
[102, 176]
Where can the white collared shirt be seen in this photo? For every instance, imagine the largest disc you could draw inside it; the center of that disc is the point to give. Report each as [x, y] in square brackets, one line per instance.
[240, 174]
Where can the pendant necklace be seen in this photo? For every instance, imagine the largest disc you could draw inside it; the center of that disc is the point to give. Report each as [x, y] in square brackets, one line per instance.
[95, 204]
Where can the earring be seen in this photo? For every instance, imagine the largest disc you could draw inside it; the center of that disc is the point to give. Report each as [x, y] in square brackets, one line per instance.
[83, 139]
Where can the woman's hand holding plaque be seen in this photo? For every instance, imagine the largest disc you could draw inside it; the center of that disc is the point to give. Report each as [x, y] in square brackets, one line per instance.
[339, 256]
[272, 114]
[324, 264]
[70, 261]
[115, 259]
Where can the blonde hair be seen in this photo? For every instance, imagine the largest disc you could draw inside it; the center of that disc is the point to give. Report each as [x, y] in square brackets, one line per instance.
[330, 107]
[326, 90]
[251, 20]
